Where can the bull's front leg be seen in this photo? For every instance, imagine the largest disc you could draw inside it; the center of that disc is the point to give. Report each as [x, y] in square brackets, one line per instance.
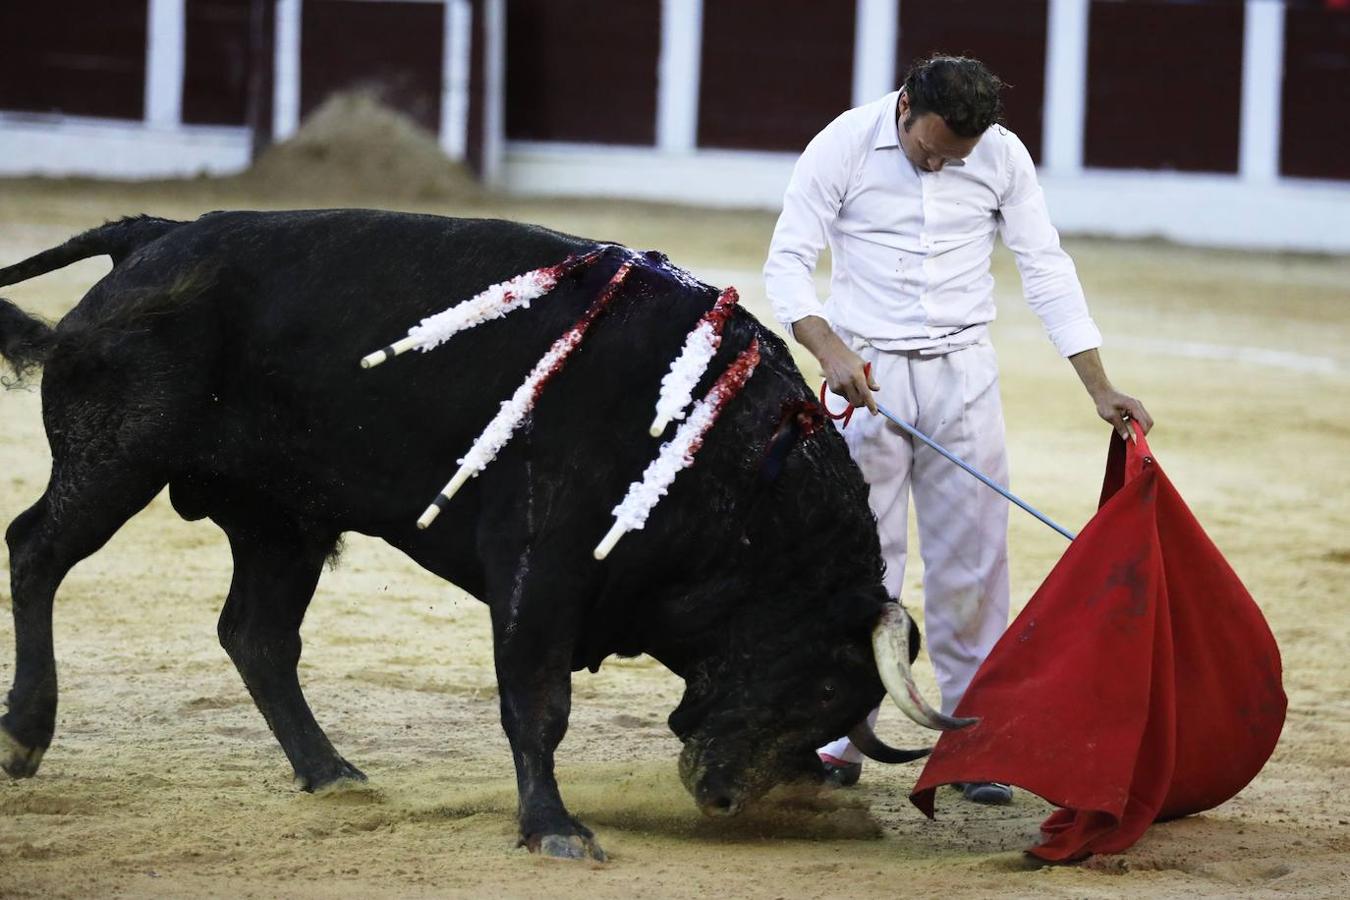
[535, 682]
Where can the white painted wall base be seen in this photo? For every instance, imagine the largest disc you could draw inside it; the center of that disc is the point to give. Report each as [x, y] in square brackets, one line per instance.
[108, 148]
[727, 178]
[1207, 210]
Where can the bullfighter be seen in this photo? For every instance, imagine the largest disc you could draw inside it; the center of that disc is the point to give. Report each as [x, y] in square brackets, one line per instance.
[908, 192]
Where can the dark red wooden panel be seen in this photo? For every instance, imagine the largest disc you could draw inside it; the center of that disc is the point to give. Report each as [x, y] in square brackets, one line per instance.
[391, 49]
[582, 70]
[218, 53]
[1315, 140]
[1164, 87]
[1006, 35]
[774, 72]
[80, 57]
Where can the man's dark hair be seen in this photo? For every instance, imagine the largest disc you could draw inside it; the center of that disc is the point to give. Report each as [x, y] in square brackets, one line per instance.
[962, 91]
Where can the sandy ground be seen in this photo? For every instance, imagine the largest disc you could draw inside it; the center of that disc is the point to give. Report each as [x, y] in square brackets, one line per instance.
[164, 781]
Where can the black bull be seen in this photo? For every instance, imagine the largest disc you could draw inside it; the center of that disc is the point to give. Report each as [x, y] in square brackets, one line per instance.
[219, 357]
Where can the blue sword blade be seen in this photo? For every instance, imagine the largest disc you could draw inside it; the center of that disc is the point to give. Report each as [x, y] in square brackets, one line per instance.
[989, 482]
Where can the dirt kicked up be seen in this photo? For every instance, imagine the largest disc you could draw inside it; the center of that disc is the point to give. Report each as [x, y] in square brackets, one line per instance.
[163, 780]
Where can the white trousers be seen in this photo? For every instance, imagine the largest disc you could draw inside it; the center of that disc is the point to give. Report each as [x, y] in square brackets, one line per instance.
[963, 526]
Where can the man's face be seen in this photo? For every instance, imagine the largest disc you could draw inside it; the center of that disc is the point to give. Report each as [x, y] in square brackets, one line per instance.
[927, 141]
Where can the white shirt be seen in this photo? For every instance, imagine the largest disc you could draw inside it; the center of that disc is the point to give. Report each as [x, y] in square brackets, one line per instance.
[911, 249]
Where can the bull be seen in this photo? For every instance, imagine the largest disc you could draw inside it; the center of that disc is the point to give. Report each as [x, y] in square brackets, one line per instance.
[218, 357]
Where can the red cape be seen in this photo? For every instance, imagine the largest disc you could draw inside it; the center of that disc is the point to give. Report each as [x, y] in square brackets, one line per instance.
[1141, 682]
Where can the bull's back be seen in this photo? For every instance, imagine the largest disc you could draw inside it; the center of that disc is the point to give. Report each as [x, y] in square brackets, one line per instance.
[257, 368]
[299, 298]
[277, 400]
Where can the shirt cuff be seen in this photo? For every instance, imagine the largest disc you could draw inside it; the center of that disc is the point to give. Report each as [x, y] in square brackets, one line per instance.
[794, 305]
[1074, 337]
[818, 313]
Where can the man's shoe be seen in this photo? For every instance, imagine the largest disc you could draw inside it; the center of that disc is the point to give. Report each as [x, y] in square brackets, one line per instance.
[840, 773]
[990, 793]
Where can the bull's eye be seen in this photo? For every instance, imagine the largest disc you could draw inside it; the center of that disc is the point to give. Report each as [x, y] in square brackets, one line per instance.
[827, 693]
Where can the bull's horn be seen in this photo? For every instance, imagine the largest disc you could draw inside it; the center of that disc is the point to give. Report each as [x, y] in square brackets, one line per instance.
[890, 646]
[873, 747]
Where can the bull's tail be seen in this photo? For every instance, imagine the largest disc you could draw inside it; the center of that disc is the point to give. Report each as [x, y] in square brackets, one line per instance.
[115, 239]
[25, 340]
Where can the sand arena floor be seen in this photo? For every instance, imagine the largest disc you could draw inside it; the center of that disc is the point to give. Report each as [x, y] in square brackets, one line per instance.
[163, 780]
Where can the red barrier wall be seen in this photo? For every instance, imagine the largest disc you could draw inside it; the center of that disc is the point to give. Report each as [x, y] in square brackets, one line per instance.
[217, 55]
[582, 71]
[1164, 87]
[393, 49]
[1315, 141]
[78, 57]
[1008, 37]
[775, 72]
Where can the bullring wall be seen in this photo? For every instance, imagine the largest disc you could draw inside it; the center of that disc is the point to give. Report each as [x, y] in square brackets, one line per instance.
[1208, 121]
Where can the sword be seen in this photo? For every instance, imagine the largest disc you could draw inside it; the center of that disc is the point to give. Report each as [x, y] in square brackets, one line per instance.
[913, 432]
[984, 479]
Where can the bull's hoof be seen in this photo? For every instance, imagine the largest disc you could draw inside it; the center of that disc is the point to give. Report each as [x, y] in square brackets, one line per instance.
[566, 846]
[330, 778]
[17, 760]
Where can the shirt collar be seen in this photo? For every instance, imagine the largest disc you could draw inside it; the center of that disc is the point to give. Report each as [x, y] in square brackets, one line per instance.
[888, 129]
[888, 132]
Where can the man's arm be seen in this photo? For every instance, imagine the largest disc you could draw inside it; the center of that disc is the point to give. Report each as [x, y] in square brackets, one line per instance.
[1112, 405]
[844, 369]
[814, 196]
[813, 199]
[1050, 283]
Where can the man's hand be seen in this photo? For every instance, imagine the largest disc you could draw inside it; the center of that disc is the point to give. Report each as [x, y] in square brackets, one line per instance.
[1112, 405]
[844, 370]
[1115, 407]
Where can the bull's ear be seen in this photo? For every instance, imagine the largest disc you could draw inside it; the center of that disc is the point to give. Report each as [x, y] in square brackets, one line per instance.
[857, 607]
[694, 705]
[685, 717]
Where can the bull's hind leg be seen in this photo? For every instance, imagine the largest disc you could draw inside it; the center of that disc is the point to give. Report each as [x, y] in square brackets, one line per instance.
[81, 509]
[276, 568]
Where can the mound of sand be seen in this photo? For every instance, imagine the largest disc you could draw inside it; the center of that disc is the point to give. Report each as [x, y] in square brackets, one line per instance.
[353, 145]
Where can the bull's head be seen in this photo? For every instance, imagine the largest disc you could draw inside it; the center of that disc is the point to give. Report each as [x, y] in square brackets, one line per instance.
[754, 718]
